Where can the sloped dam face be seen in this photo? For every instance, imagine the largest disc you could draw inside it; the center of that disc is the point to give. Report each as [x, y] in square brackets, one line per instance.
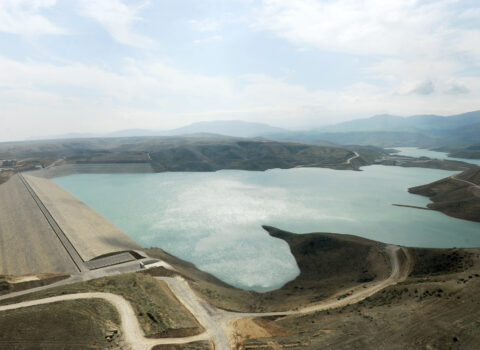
[214, 219]
[45, 229]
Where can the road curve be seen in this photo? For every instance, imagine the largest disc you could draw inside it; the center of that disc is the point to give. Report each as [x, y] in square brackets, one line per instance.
[399, 273]
[218, 323]
[454, 177]
[206, 314]
[349, 160]
[401, 268]
[132, 332]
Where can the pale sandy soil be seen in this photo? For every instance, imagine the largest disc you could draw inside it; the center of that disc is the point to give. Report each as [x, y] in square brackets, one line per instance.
[21, 279]
[27, 242]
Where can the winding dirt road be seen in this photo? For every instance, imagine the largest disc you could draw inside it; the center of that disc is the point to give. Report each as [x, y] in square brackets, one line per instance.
[401, 263]
[219, 323]
[132, 332]
[349, 160]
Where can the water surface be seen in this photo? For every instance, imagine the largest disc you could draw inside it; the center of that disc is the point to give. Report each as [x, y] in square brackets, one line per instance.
[422, 152]
[214, 219]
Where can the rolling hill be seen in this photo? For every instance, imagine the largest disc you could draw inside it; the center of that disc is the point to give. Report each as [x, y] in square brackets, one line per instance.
[193, 153]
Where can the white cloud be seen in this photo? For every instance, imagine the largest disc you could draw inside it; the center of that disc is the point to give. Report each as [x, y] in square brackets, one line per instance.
[470, 14]
[119, 20]
[210, 28]
[205, 25]
[394, 27]
[208, 40]
[145, 80]
[456, 88]
[55, 99]
[24, 17]
[423, 48]
[415, 46]
[424, 88]
[422, 58]
[414, 58]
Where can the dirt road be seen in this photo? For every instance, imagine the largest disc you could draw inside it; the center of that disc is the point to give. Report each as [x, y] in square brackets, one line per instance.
[454, 177]
[349, 160]
[401, 263]
[219, 323]
[207, 315]
[130, 327]
[399, 273]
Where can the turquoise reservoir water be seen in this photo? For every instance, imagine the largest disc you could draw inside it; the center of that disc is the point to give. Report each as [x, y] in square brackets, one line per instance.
[214, 219]
[421, 152]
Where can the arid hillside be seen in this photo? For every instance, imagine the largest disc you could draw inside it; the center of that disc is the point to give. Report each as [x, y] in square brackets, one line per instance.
[192, 153]
[328, 263]
[437, 307]
[457, 195]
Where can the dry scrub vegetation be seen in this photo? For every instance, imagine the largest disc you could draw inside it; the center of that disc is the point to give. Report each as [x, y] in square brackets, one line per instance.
[200, 345]
[432, 309]
[75, 325]
[324, 267]
[160, 314]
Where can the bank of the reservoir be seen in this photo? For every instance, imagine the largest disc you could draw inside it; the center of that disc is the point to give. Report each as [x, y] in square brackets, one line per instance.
[422, 152]
[214, 219]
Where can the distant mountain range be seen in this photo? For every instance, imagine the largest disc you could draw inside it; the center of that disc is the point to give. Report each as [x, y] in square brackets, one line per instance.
[380, 130]
[389, 131]
[416, 123]
[234, 128]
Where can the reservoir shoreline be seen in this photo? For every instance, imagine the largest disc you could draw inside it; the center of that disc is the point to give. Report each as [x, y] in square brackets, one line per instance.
[170, 230]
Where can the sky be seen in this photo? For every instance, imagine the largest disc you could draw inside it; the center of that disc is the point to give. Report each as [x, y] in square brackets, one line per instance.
[81, 66]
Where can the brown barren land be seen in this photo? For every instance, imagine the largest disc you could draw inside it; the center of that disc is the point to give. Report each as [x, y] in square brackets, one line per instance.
[457, 195]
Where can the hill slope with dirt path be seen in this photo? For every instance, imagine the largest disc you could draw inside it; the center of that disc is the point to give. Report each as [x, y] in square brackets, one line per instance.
[457, 195]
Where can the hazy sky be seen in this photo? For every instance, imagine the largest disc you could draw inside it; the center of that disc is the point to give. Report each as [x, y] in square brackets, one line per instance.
[104, 65]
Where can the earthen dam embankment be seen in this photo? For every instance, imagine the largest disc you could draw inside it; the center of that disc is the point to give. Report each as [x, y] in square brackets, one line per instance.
[35, 213]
